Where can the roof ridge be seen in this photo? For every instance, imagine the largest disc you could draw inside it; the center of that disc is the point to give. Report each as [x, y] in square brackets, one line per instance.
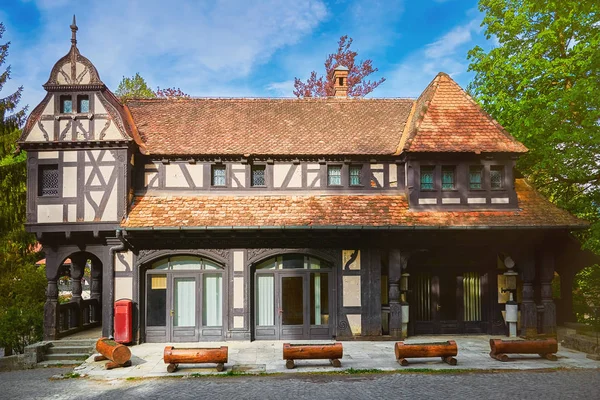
[252, 99]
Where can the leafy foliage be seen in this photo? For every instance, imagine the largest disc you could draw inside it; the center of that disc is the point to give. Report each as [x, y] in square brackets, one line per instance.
[171, 93]
[586, 293]
[134, 88]
[21, 282]
[542, 83]
[322, 86]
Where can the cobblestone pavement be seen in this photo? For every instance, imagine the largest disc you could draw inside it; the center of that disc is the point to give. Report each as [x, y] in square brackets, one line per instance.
[554, 384]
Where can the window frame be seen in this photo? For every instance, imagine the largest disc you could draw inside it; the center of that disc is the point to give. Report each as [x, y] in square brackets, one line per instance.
[61, 103]
[81, 97]
[251, 175]
[341, 167]
[481, 170]
[360, 175]
[213, 167]
[40, 189]
[431, 167]
[446, 168]
[500, 168]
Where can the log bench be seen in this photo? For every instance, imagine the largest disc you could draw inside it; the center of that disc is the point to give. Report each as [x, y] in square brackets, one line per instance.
[174, 357]
[332, 352]
[118, 354]
[544, 348]
[445, 350]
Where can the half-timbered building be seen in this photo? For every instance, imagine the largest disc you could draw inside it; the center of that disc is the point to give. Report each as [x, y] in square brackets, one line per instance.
[314, 218]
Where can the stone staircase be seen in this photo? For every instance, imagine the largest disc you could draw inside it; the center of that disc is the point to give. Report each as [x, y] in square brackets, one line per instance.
[67, 352]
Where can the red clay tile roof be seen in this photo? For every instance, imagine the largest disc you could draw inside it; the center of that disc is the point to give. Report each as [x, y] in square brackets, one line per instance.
[447, 119]
[336, 210]
[320, 126]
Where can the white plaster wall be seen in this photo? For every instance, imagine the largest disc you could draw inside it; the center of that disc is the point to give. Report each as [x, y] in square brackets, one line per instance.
[313, 176]
[98, 106]
[69, 182]
[70, 155]
[88, 210]
[62, 125]
[49, 213]
[86, 126]
[111, 133]
[61, 78]
[346, 255]
[123, 288]
[355, 322]
[112, 207]
[393, 175]
[72, 212]
[47, 155]
[500, 200]
[238, 321]
[377, 175]
[128, 257]
[36, 134]
[279, 173]
[148, 176]
[351, 291]
[239, 173]
[197, 173]
[238, 260]
[238, 292]
[476, 200]
[49, 109]
[85, 78]
[174, 176]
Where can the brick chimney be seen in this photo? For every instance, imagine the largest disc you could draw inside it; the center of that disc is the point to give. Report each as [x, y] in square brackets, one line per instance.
[340, 81]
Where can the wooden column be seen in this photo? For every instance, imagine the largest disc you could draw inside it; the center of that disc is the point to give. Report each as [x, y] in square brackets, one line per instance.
[397, 263]
[96, 284]
[77, 268]
[51, 328]
[528, 306]
[371, 292]
[546, 276]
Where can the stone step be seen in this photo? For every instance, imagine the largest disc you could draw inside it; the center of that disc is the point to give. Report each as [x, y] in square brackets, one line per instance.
[64, 356]
[78, 342]
[59, 363]
[70, 350]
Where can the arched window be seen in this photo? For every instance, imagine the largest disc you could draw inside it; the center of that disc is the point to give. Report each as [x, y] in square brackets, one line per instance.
[193, 263]
[293, 261]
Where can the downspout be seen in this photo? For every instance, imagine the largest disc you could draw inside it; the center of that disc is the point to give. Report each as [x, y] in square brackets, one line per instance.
[111, 295]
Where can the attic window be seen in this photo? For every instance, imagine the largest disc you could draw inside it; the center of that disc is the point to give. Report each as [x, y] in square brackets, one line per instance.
[219, 175]
[66, 105]
[475, 177]
[334, 175]
[355, 173]
[258, 176]
[448, 177]
[427, 177]
[497, 177]
[48, 180]
[83, 104]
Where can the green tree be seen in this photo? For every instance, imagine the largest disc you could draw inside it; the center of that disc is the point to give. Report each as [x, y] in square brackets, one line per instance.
[542, 83]
[21, 282]
[134, 88]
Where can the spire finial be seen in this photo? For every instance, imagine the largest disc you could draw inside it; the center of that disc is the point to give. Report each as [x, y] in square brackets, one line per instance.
[74, 32]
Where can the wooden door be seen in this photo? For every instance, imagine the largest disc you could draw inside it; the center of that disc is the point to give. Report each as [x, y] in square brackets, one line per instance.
[293, 308]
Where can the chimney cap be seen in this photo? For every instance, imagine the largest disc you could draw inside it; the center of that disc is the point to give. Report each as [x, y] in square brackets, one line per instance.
[341, 68]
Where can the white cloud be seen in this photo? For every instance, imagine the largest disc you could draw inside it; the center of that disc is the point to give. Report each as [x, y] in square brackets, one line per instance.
[281, 89]
[198, 46]
[452, 40]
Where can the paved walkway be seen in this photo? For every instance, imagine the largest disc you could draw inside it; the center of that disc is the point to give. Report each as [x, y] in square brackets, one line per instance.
[266, 357]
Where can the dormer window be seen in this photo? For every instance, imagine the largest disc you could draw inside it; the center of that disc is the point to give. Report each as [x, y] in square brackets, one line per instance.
[334, 175]
[355, 175]
[427, 177]
[219, 175]
[475, 177]
[66, 104]
[448, 177]
[497, 177]
[83, 104]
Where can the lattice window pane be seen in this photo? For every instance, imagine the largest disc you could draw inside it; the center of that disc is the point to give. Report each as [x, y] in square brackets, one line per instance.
[447, 178]
[334, 175]
[355, 171]
[84, 104]
[218, 175]
[426, 178]
[258, 175]
[67, 106]
[48, 180]
[475, 174]
[496, 177]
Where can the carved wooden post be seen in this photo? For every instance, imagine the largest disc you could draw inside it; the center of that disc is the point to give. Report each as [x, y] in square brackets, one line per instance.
[51, 328]
[397, 262]
[77, 268]
[96, 291]
[528, 306]
[546, 276]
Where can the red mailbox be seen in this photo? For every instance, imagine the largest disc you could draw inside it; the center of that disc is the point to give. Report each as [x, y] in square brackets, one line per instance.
[123, 321]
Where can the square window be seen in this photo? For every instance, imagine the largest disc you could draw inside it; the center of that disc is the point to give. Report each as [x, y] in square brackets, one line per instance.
[83, 104]
[497, 176]
[355, 173]
[448, 173]
[334, 175]
[427, 177]
[219, 175]
[475, 177]
[66, 104]
[258, 175]
[48, 180]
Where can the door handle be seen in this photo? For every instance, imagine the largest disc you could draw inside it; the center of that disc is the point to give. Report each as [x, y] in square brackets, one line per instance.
[172, 312]
[437, 307]
[280, 311]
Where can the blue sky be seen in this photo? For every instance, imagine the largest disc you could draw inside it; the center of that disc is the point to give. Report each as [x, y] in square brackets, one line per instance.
[233, 48]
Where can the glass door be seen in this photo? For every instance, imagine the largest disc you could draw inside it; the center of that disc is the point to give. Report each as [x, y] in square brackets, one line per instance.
[184, 318]
[292, 313]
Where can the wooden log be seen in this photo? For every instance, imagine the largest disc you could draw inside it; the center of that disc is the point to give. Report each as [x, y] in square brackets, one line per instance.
[331, 351]
[336, 363]
[289, 364]
[414, 350]
[403, 361]
[195, 356]
[113, 351]
[112, 364]
[545, 348]
[450, 360]
[172, 367]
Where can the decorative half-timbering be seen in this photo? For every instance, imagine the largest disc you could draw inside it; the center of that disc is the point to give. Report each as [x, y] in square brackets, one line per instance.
[309, 218]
